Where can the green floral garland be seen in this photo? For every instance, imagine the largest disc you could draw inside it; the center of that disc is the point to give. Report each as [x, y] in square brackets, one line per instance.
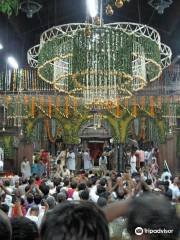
[75, 50]
[9, 7]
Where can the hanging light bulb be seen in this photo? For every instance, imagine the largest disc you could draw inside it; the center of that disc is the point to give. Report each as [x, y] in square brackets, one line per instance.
[109, 10]
[3, 129]
[119, 3]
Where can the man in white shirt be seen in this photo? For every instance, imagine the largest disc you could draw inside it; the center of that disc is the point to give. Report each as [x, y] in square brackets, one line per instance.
[25, 168]
[175, 187]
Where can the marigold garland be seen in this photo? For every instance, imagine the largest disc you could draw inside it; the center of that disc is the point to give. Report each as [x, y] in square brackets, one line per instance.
[118, 110]
[126, 103]
[159, 103]
[152, 113]
[49, 134]
[143, 103]
[33, 106]
[49, 106]
[41, 102]
[58, 103]
[8, 100]
[75, 104]
[66, 106]
[26, 99]
[134, 106]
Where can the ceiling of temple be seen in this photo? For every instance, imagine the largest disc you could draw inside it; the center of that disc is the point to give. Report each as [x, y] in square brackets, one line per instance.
[19, 33]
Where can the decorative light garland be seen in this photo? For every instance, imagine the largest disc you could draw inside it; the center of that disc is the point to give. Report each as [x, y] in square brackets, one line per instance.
[111, 60]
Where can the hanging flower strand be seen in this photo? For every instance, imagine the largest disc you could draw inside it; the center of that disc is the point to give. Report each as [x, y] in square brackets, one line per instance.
[134, 106]
[33, 106]
[143, 103]
[66, 106]
[160, 103]
[152, 113]
[118, 110]
[58, 103]
[49, 106]
[26, 102]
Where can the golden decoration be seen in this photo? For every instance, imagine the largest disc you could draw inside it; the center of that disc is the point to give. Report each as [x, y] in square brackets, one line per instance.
[109, 10]
[87, 31]
[97, 20]
[119, 3]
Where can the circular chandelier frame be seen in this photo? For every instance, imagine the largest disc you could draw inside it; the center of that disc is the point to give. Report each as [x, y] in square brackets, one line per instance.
[121, 57]
[137, 29]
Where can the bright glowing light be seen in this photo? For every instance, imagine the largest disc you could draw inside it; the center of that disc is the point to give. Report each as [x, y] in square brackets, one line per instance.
[1, 46]
[12, 62]
[92, 7]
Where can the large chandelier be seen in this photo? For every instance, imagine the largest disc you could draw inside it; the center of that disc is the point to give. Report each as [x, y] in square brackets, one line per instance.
[100, 62]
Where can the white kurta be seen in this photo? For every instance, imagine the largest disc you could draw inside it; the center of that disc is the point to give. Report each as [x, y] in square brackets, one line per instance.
[133, 164]
[26, 169]
[71, 162]
[103, 163]
[87, 161]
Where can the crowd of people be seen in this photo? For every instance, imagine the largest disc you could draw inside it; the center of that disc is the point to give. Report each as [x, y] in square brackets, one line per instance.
[90, 203]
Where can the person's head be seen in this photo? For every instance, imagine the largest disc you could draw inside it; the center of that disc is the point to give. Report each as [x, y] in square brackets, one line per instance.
[149, 181]
[101, 202]
[37, 178]
[6, 183]
[5, 227]
[66, 182]
[44, 189]
[77, 221]
[103, 182]
[4, 207]
[51, 202]
[23, 228]
[73, 185]
[100, 189]
[153, 211]
[37, 199]
[61, 197]
[56, 181]
[30, 198]
[84, 195]
[81, 186]
[34, 211]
